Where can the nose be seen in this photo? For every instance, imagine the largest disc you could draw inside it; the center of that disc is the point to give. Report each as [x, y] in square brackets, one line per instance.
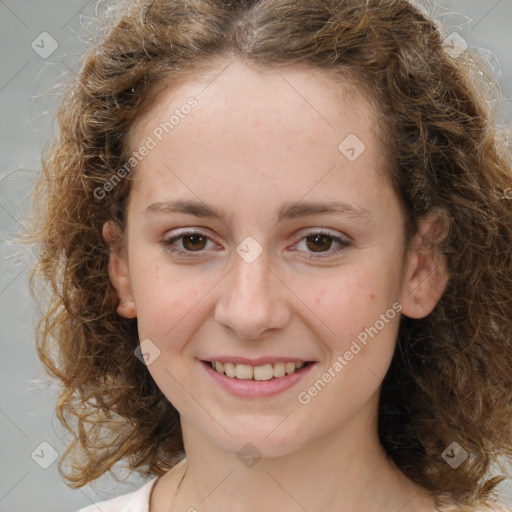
[253, 299]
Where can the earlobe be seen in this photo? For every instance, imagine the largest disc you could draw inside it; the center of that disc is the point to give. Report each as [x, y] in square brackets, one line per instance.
[426, 273]
[118, 270]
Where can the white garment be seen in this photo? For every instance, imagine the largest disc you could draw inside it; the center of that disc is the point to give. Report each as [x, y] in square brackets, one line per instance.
[137, 501]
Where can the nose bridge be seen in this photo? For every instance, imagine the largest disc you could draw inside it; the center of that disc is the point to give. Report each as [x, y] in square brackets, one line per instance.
[252, 299]
[252, 279]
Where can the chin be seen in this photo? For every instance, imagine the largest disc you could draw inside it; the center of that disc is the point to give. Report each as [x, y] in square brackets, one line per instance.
[252, 444]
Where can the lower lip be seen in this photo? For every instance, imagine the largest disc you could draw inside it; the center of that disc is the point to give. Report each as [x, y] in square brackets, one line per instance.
[257, 388]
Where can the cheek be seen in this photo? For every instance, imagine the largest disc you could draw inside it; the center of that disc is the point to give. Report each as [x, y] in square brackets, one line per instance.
[165, 299]
[355, 299]
[363, 316]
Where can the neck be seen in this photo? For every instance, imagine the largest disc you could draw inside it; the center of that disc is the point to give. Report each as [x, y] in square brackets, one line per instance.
[344, 470]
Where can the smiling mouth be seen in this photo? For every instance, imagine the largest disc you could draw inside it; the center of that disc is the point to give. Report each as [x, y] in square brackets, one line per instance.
[262, 373]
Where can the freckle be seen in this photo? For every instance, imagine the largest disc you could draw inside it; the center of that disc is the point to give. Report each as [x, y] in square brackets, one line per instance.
[372, 296]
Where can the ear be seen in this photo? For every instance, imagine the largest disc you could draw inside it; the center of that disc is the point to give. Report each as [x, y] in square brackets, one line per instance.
[426, 271]
[119, 271]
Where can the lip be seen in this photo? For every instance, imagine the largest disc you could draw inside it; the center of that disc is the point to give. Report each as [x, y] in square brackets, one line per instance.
[254, 388]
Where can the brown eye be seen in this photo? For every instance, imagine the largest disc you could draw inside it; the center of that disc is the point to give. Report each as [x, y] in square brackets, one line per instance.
[319, 242]
[194, 242]
[321, 245]
[187, 243]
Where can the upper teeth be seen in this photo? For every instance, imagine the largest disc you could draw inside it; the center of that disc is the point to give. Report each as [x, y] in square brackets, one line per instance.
[264, 372]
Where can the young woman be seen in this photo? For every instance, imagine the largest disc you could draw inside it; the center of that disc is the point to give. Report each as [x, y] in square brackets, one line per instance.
[278, 236]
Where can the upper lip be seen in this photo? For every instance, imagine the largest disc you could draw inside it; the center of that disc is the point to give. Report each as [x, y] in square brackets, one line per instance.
[258, 361]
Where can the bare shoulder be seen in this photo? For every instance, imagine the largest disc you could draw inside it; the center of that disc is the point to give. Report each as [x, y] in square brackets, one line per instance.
[165, 488]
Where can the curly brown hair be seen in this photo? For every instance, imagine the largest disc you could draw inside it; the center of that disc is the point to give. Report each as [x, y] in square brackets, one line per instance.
[449, 380]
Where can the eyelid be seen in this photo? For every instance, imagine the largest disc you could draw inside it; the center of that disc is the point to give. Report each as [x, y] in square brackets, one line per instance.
[343, 240]
[324, 231]
[189, 231]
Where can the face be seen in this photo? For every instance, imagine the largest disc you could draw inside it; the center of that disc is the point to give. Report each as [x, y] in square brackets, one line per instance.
[262, 226]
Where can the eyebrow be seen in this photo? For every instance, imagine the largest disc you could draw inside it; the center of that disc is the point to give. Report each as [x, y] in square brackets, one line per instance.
[287, 210]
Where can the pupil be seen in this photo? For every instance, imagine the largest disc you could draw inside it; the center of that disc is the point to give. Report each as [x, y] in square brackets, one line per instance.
[194, 239]
[317, 241]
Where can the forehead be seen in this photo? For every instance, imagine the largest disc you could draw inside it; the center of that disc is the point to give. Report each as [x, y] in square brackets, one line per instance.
[281, 127]
[254, 93]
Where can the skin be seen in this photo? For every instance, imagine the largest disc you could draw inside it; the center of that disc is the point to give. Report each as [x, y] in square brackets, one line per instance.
[256, 140]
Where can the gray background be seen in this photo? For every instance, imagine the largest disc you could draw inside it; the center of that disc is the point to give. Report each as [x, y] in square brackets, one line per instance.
[27, 104]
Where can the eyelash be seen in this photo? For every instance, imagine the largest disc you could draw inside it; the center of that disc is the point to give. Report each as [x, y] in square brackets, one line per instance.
[167, 244]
